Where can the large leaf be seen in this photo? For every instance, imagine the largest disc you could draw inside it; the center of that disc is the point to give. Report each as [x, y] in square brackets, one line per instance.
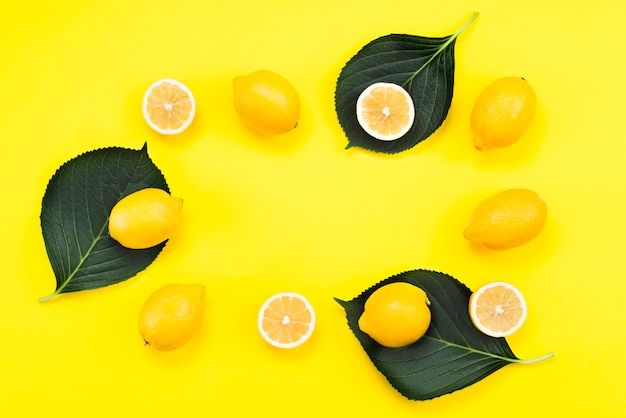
[423, 66]
[452, 354]
[75, 214]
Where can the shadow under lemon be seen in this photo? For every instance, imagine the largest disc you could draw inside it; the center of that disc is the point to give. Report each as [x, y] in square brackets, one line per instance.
[477, 264]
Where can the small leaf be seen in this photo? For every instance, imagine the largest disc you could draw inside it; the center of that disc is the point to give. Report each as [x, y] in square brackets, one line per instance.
[423, 66]
[452, 354]
[75, 213]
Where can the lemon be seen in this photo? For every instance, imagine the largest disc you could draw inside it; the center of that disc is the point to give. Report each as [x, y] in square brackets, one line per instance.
[286, 320]
[396, 315]
[502, 113]
[168, 106]
[385, 111]
[171, 315]
[498, 309]
[507, 219]
[266, 101]
[145, 218]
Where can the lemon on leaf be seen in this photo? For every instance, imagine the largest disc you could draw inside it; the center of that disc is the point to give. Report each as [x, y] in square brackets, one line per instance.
[396, 315]
[145, 218]
[385, 111]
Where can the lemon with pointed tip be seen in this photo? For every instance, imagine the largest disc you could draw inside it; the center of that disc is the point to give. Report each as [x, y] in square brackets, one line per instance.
[507, 219]
[266, 101]
[145, 218]
[172, 315]
[396, 314]
[502, 113]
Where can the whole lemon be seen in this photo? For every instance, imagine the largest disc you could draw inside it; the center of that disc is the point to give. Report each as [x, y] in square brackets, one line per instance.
[171, 315]
[145, 218]
[396, 314]
[502, 112]
[266, 101]
[507, 219]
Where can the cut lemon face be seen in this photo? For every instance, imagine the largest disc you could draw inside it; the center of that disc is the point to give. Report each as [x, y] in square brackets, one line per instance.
[385, 111]
[498, 309]
[286, 320]
[168, 106]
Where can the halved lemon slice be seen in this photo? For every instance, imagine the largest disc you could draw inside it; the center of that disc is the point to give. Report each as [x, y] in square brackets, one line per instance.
[497, 309]
[169, 106]
[286, 320]
[385, 111]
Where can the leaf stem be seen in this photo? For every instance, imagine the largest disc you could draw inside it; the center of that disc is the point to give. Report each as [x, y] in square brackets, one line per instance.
[462, 28]
[59, 290]
[442, 48]
[492, 355]
[50, 296]
[533, 360]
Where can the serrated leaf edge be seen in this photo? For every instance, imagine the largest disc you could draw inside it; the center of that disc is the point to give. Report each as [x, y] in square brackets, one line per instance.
[59, 289]
[445, 344]
[389, 148]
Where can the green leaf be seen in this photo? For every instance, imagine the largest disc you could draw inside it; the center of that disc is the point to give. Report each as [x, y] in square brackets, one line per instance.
[423, 66]
[452, 354]
[75, 213]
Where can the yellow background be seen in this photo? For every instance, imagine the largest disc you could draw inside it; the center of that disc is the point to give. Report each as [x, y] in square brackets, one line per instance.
[300, 213]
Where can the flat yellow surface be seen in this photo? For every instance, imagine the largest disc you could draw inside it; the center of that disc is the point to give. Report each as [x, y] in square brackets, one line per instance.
[300, 213]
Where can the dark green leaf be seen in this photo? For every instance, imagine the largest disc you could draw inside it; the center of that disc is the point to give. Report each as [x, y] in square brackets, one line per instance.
[452, 354]
[423, 66]
[75, 213]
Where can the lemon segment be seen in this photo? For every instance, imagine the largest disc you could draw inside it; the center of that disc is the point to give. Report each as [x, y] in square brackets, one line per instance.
[168, 106]
[286, 320]
[385, 111]
[498, 309]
